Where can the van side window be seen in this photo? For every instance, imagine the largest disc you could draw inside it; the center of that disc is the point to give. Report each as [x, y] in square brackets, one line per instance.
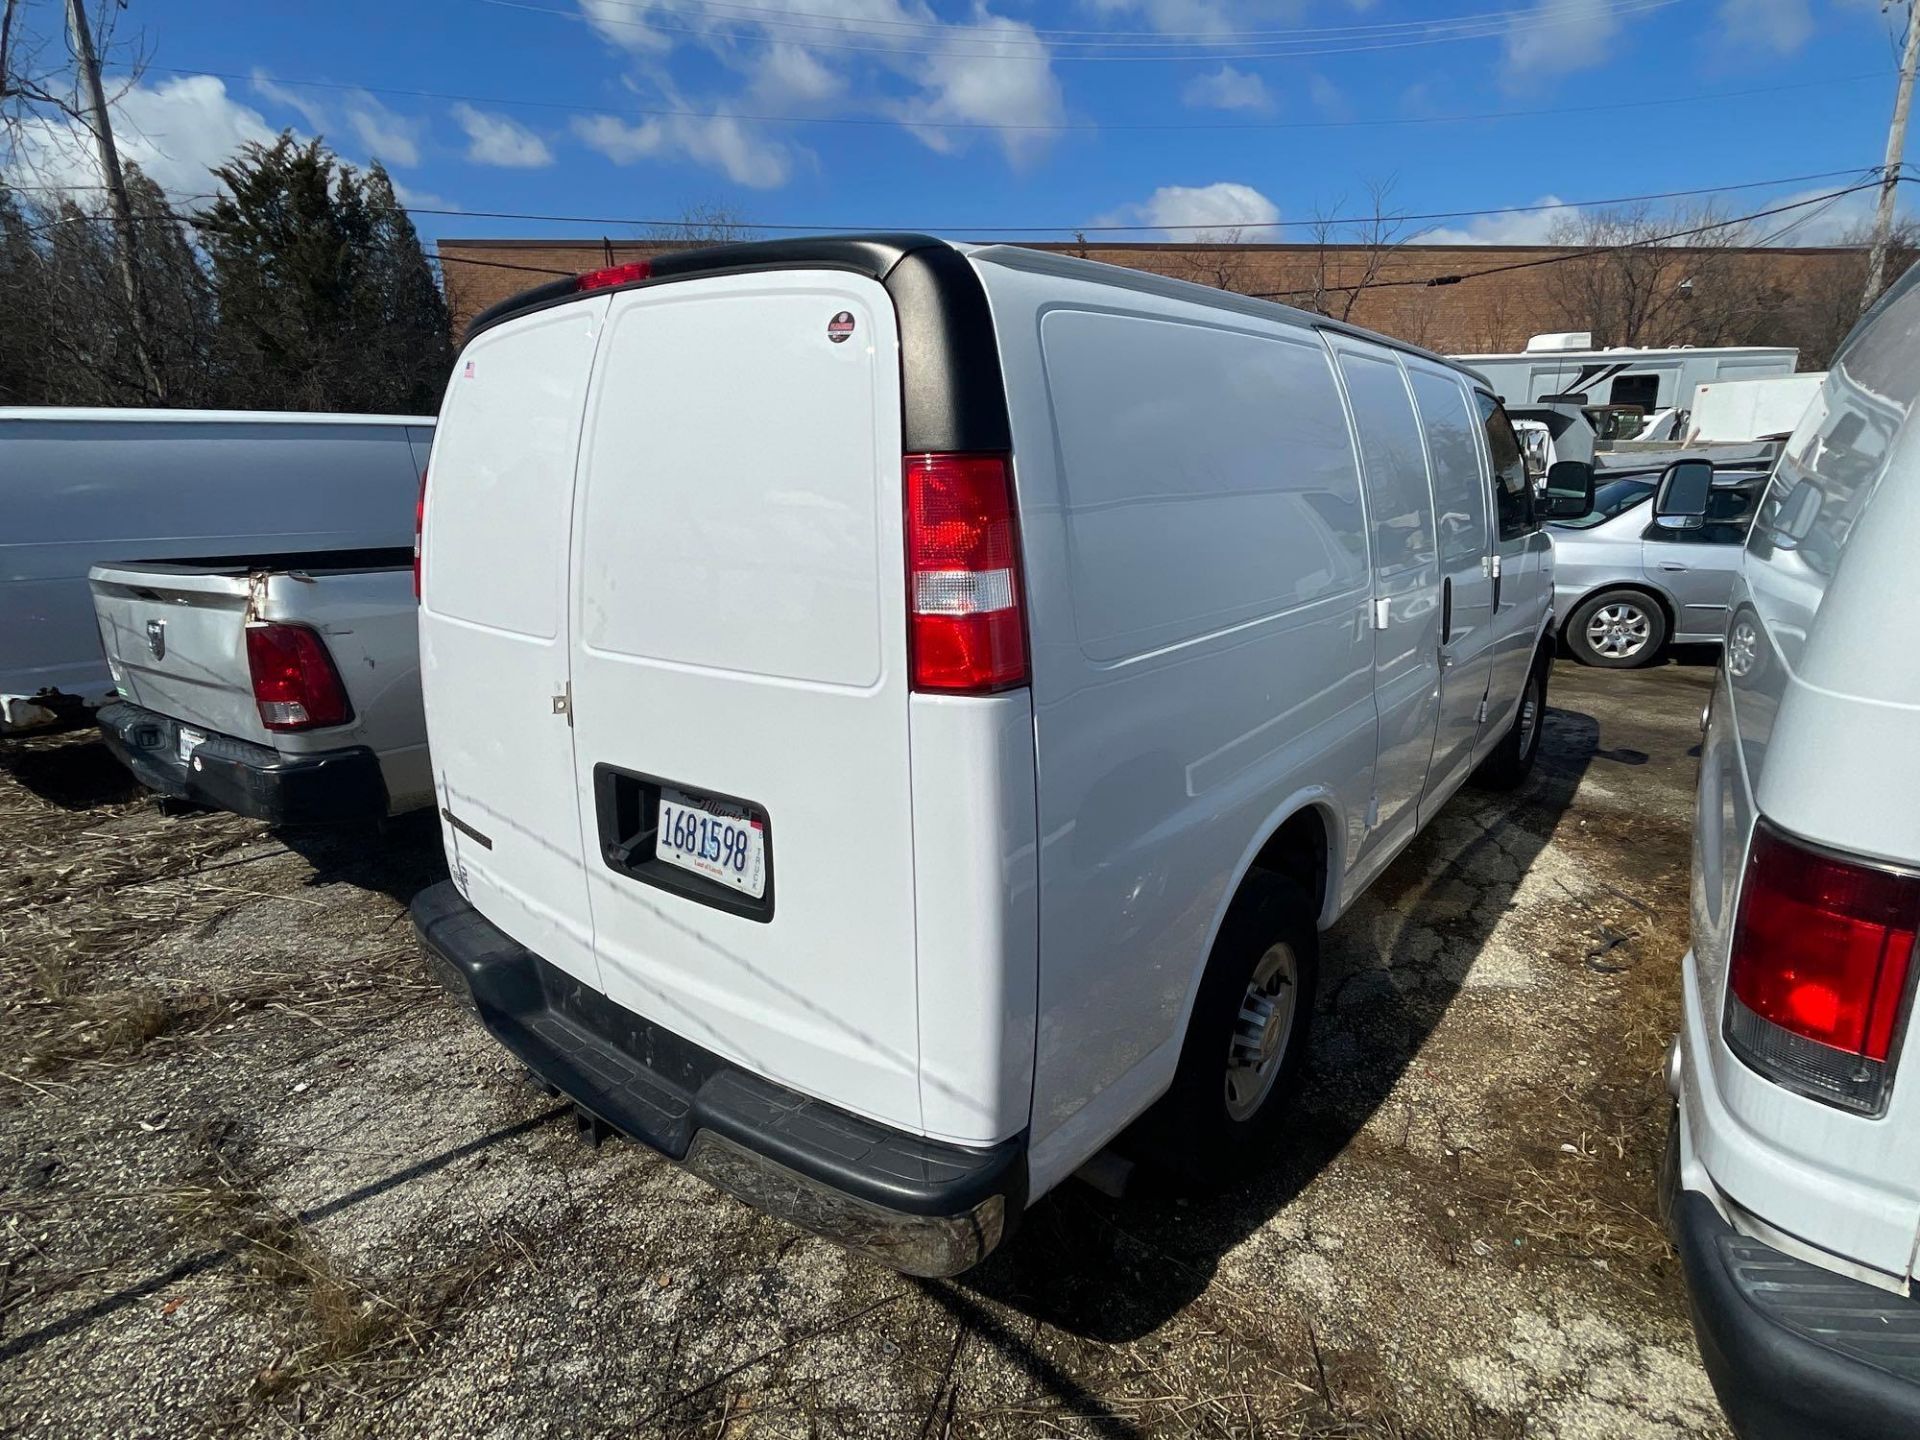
[1459, 490]
[1400, 507]
[1512, 493]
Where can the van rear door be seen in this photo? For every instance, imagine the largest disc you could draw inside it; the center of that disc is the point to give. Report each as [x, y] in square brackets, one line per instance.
[740, 678]
[493, 627]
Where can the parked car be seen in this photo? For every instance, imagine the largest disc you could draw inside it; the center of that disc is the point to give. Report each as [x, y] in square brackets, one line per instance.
[79, 487]
[285, 687]
[1626, 587]
[1793, 1172]
[903, 713]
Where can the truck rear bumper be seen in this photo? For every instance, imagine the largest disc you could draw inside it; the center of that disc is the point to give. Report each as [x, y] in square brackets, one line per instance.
[1794, 1349]
[248, 779]
[918, 1205]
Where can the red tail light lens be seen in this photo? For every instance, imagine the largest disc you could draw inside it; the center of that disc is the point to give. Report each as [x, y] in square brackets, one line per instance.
[294, 680]
[1817, 981]
[419, 524]
[968, 631]
[614, 275]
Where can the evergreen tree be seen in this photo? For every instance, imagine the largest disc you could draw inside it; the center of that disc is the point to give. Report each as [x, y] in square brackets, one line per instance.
[326, 301]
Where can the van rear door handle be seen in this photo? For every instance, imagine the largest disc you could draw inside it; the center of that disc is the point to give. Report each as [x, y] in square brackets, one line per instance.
[1446, 609]
[1672, 565]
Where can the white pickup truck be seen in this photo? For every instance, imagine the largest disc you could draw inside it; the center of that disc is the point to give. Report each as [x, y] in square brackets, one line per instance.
[285, 687]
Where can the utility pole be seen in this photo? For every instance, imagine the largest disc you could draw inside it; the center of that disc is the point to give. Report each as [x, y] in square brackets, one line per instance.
[127, 242]
[1890, 172]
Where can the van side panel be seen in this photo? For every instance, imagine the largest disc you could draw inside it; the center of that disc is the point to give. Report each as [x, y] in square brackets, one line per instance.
[977, 908]
[739, 606]
[1198, 599]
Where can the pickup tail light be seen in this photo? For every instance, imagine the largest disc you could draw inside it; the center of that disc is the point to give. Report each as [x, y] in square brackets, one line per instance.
[968, 633]
[295, 683]
[1820, 971]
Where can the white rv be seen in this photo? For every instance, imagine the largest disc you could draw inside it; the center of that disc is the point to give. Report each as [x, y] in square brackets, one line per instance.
[1569, 364]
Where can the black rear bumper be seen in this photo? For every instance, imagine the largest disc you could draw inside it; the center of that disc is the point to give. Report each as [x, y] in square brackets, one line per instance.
[248, 779]
[919, 1205]
[1795, 1349]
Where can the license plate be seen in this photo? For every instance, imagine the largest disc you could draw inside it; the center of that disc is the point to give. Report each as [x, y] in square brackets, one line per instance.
[714, 839]
[190, 741]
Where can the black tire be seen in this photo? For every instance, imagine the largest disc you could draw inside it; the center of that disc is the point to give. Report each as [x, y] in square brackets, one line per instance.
[1193, 1129]
[1637, 638]
[1509, 763]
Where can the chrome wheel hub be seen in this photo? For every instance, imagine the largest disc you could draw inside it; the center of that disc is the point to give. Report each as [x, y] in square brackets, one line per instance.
[1619, 630]
[1261, 1031]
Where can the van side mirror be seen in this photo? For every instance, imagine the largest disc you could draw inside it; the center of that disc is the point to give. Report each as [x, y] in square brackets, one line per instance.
[1681, 501]
[1569, 490]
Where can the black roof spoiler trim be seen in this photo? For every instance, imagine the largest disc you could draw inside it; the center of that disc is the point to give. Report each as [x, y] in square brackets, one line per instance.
[952, 395]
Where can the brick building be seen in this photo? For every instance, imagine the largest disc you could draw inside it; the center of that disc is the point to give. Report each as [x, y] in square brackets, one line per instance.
[1492, 314]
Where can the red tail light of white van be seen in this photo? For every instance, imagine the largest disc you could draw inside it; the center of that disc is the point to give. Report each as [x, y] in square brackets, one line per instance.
[1817, 985]
[295, 683]
[968, 632]
[631, 273]
[419, 524]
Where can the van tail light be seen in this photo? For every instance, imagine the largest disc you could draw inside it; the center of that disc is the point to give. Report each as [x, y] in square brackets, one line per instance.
[295, 683]
[419, 524]
[613, 275]
[968, 623]
[1818, 978]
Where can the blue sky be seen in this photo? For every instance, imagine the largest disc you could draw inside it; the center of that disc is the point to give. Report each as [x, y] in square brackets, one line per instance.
[979, 117]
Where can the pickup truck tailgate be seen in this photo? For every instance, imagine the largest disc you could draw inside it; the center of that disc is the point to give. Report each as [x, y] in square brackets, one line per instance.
[176, 642]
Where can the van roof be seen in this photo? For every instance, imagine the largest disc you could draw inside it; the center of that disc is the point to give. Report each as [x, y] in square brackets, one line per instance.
[876, 255]
[135, 415]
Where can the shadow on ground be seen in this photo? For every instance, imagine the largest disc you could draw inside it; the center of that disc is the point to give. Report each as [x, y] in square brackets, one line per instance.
[397, 858]
[1064, 1267]
[74, 771]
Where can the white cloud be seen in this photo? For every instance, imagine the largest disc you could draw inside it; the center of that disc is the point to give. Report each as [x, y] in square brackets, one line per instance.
[1227, 89]
[1329, 98]
[723, 143]
[1781, 26]
[994, 71]
[1556, 37]
[893, 58]
[1217, 210]
[1843, 221]
[1187, 18]
[497, 140]
[391, 139]
[175, 131]
[1530, 227]
[298, 101]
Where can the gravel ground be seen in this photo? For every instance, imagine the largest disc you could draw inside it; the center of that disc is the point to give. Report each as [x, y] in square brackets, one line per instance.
[257, 1177]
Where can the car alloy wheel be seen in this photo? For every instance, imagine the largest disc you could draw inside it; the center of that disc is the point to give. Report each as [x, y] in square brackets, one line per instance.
[1619, 630]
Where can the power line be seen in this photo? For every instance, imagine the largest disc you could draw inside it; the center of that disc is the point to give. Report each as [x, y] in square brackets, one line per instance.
[1216, 226]
[1589, 252]
[847, 23]
[1829, 83]
[1020, 49]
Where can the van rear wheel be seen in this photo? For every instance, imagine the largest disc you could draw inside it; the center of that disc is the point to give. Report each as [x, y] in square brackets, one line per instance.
[1509, 763]
[1246, 1044]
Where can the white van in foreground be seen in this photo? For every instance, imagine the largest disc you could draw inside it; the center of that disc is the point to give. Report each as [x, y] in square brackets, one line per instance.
[79, 487]
[1793, 1175]
[900, 712]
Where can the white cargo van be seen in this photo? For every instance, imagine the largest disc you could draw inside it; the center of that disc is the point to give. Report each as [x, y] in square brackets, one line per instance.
[900, 712]
[1793, 1175]
[83, 486]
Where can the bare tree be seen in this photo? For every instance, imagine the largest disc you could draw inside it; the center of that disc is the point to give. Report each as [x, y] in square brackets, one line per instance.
[703, 224]
[1349, 254]
[1822, 301]
[1635, 287]
[1219, 260]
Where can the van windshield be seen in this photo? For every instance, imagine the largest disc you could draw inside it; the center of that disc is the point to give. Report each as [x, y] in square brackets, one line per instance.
[1611, 498]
